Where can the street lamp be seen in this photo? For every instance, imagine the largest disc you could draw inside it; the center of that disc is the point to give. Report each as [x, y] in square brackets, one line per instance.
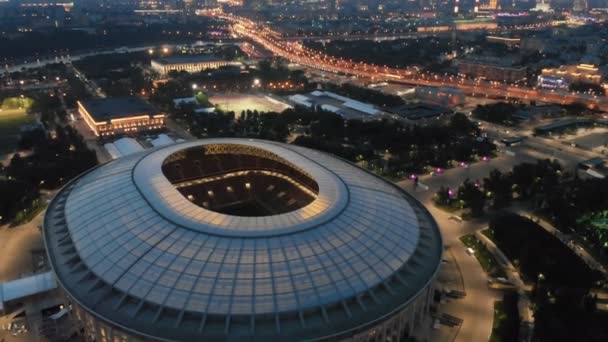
[165, 50]
[150, 51]
[194, 86]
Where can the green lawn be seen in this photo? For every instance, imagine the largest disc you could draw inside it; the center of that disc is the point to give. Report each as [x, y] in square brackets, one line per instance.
[16, 103]
[485, 258]
[10, 122]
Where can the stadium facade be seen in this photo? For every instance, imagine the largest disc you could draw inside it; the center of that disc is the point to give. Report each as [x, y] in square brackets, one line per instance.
[241, 239]
[189, 64]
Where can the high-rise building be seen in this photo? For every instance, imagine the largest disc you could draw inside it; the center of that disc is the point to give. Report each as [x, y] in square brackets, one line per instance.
[580, 6]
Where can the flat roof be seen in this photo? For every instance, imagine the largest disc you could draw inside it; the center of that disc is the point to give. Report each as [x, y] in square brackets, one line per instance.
[563, 124]
[26, 287]
[118, 108]
[420, 111]
[593, 162]
[187, 59]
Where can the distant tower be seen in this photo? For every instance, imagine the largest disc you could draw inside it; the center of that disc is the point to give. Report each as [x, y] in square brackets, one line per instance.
[491, 6]
[476, 8]
[456, 6]
[580, 6]
[542, 6]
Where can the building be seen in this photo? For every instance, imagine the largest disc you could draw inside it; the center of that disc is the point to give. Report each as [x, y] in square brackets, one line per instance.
[509, 42]
[188, 63]
[442, 96]
[332, 102]
[492, 71]
[568, 74]
[420, 111]
[118, 115]
[240, 239]
[542, 6]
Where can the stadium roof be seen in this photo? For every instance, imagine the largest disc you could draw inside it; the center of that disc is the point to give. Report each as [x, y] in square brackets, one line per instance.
[130, 249]
[118, 108]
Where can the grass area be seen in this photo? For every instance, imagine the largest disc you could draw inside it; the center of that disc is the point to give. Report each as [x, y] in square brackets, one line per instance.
[485, 258]
[488, 233]
[506, 319]
[10, 122]
[10, 103]
[27, 215]
[242, 102]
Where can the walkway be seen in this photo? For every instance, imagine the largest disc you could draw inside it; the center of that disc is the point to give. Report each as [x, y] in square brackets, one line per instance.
[576, 248]
[477, 307]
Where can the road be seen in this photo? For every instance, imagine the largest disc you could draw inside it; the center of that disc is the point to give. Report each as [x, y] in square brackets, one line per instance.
[540, 147]
[16, 244]
[297, 53]
[477, 307]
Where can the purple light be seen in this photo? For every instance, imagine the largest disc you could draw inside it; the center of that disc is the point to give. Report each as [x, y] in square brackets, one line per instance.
[484, 158]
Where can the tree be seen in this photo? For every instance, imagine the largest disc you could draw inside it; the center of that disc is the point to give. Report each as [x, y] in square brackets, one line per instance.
[461, 124]
[442, 197]
[473, 197]
[523, 177]
[499, 187]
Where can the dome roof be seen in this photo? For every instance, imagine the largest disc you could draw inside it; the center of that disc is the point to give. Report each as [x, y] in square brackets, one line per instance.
[132, 250]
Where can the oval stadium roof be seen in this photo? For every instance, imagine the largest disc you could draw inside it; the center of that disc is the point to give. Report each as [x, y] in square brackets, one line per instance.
[130, 249]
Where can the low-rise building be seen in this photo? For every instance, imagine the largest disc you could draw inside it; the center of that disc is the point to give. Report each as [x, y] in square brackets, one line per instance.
[442, 96]
[341, 105]
[582, 73]
[493, 71]
[117, 115]
[420, 111]
[188, 63]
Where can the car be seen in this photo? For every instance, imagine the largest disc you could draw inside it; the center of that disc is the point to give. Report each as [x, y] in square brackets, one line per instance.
[455, 218]
[470, 251]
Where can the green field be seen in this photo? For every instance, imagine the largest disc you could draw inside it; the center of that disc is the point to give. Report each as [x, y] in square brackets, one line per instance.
[10, 122]
[240, 102]
[12, 103]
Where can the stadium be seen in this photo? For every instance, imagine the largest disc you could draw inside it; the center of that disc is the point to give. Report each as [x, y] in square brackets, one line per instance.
[239, 239]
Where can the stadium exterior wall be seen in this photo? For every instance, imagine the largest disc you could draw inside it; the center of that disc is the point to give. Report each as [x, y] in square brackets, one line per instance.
[394, 327]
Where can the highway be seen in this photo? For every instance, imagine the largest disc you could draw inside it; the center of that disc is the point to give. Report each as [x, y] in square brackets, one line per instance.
[297, 53]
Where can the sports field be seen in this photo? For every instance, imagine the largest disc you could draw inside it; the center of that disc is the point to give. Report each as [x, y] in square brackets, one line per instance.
[11, 119]
[240, 102]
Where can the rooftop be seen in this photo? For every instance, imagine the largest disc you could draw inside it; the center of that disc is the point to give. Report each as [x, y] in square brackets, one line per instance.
[420, 111]
[118, 108]
[128, 246]
[187, 59]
